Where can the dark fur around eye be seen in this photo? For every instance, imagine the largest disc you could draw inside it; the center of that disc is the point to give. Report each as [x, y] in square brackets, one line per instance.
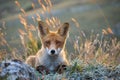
[58, 42]
[47, 42]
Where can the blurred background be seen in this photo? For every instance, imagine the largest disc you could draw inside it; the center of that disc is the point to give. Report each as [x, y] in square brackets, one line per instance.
[96, 16]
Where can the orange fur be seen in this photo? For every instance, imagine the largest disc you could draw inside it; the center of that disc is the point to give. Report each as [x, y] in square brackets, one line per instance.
[52, 52]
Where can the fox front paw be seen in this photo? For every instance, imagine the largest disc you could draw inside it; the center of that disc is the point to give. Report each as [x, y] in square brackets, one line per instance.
[42, 69]
[61, 68]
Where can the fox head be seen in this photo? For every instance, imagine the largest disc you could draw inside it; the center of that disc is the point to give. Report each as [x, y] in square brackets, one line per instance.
[53, 41]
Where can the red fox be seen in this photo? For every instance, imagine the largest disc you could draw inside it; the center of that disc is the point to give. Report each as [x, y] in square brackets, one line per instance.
[52, 53]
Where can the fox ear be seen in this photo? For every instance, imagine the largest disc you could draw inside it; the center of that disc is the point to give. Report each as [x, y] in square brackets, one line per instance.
[43, 28]
[63, 30]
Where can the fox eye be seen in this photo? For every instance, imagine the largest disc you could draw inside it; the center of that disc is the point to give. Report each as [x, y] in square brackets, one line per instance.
[58, 42]
[47, 42]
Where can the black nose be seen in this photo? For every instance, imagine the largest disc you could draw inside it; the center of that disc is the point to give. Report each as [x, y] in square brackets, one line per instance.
[53, 51]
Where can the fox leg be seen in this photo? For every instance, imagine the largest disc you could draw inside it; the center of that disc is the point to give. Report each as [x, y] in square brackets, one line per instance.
[62, 67]
[42, 69]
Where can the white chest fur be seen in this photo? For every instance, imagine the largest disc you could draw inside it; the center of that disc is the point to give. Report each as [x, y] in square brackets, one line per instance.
[51, 62]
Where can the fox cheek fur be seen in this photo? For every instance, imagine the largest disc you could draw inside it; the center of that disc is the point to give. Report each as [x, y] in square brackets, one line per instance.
[52, 53]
